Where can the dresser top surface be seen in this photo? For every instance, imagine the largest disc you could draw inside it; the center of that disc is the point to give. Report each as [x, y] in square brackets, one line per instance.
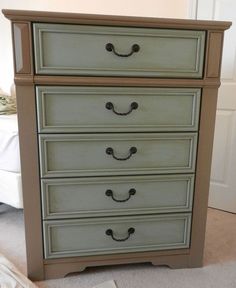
[113, 20]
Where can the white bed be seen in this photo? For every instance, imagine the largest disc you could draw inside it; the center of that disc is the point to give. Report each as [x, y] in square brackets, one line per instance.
[10, 176]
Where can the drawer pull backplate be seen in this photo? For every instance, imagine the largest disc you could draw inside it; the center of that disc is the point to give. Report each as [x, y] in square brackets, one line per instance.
[133, 106]
[109, 232]
[110, 48]
[110, 151]
[109, 193]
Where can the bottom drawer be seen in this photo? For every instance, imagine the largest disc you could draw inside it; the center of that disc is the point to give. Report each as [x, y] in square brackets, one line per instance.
[70, 238]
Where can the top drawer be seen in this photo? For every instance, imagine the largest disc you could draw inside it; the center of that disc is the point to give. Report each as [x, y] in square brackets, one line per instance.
[83, 50]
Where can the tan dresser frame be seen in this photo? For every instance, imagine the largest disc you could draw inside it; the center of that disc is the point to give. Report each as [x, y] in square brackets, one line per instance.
[25, 80]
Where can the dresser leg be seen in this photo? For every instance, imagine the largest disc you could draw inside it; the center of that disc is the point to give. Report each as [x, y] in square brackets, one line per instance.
[173, 261]
[196, 262]
[60, 270]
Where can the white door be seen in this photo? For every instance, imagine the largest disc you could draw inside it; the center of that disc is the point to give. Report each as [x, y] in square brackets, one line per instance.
[223, 173]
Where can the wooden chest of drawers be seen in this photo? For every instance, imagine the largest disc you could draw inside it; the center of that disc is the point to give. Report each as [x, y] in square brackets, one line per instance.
[116, 119]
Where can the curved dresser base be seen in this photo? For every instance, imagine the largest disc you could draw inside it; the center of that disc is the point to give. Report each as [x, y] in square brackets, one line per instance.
[61, 268]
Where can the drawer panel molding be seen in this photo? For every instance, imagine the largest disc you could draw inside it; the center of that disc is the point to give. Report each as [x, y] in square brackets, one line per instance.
[82, 197]
[82, 50]
[72, 155]
[65, 238]
[84, 109]
[116, 125]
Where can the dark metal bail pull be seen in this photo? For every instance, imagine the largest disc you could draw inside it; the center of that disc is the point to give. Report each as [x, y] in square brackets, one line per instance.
[110, 106]
[110, 151]
[109, 232]
[134, 49]
[109, 193]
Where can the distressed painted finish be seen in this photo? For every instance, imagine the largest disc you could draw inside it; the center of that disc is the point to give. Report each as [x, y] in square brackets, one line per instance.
[72, 198]
[163, 53]
[65, 238]
[85, 155]
[82, 109]
[26, 80]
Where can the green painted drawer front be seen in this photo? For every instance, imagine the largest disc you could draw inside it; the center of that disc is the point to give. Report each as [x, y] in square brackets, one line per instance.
[83, 109]
[66, 238]
[70, 198]
[81, 50]
[85, 155]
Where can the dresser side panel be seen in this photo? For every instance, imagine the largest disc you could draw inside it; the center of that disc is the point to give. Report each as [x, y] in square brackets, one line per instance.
[203, 170]
[30, 180]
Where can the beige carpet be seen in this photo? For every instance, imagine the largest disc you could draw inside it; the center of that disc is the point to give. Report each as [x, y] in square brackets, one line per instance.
[219, 270]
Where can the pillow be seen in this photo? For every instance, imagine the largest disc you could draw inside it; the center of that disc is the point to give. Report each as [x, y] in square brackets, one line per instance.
[7, 104]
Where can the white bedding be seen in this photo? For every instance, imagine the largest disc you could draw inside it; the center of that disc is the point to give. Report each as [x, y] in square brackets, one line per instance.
[11, 189]
[9, 143]
[10, 176]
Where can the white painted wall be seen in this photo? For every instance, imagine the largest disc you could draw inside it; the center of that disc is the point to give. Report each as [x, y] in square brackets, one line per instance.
[149, 8]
